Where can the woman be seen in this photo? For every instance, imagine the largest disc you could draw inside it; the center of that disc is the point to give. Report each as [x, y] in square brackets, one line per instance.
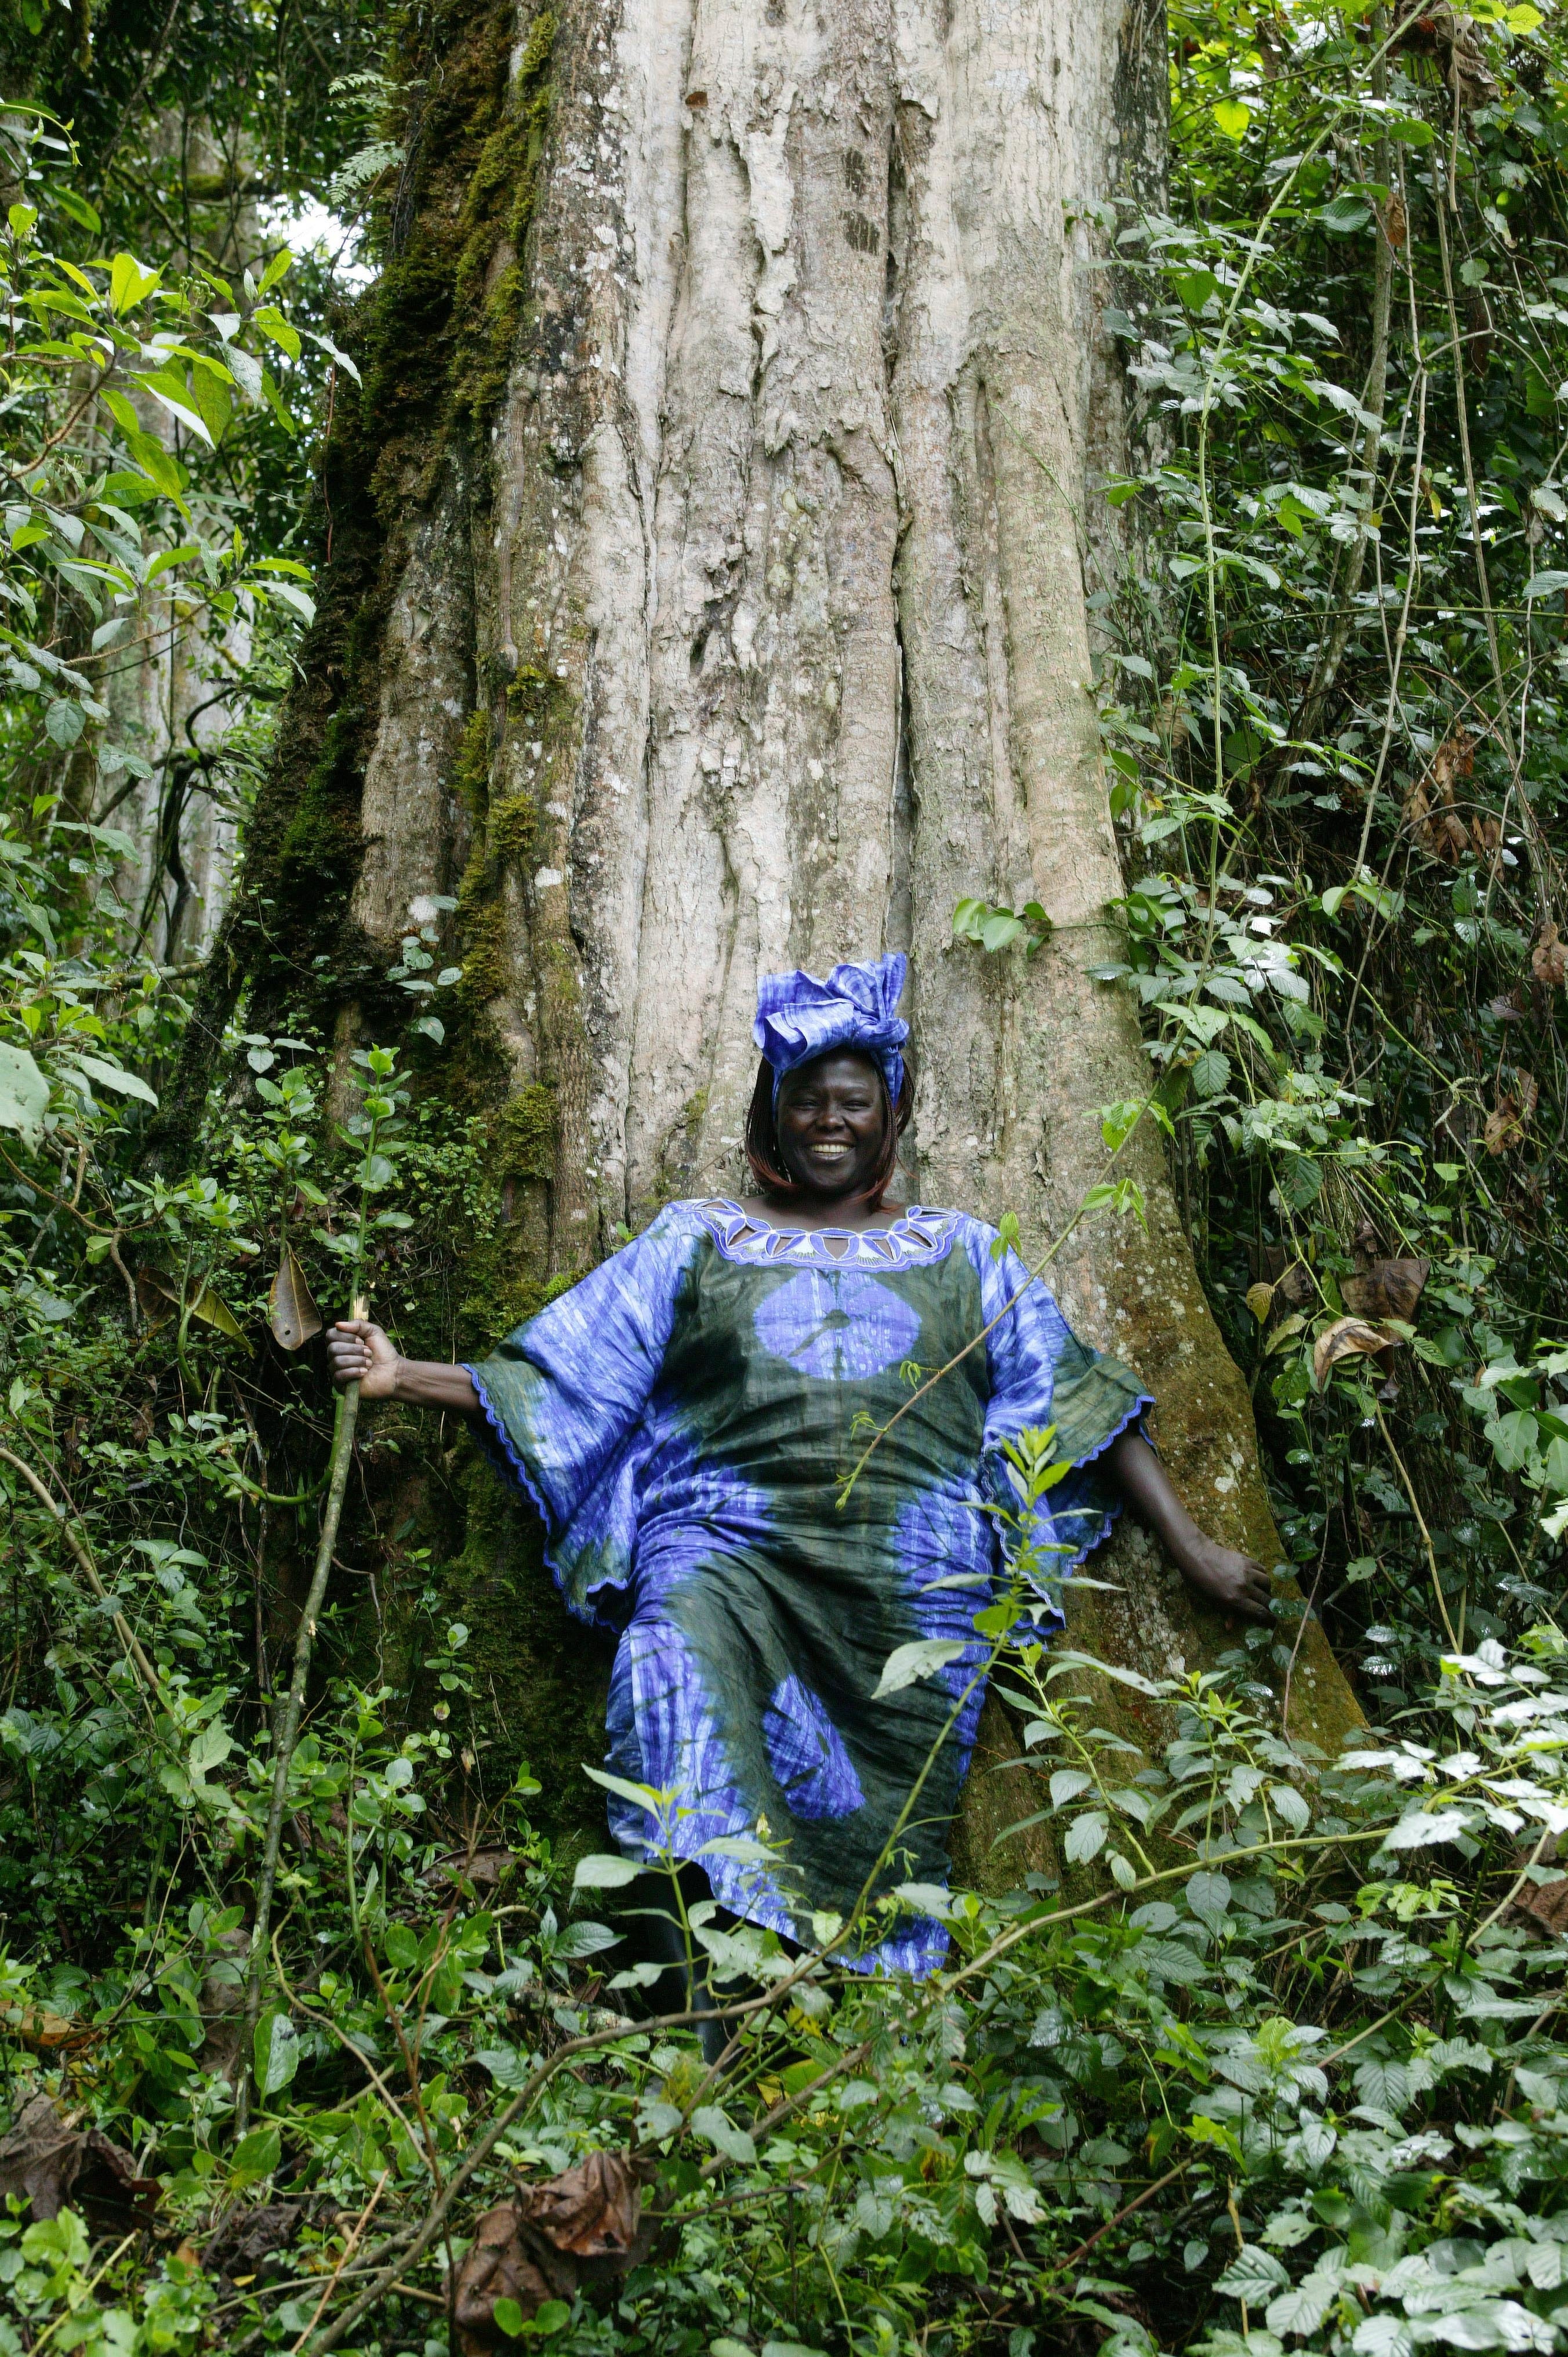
[686, 1419]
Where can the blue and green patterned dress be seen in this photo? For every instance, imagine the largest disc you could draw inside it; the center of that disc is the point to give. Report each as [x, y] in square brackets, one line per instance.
[684, 1419]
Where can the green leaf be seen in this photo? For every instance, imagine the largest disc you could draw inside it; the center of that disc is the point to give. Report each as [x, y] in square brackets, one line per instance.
[76, 209]
[1208, 1896]
[64, 722]
[168, 557]
[1342, 216]
[276, 329]
[24, 1096]
[1085, 1837]
[113, 1076]
[276, 2053]
[1232, 117]
[171, 394]
[507, 2318]
[254, 2157]
[129, 284]
[603, 1872]
[733, 2142]
[1254, 2274]
[277, 270]
[285, 594]
[907, 1665]
[641, 1796]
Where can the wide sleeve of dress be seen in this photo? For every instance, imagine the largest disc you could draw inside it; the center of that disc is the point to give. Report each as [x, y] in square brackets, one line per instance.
[563, 1399]
[1041, 1375]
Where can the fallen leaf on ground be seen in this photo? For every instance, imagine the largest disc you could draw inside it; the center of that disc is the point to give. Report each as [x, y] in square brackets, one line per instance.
[579, 2231]
[49, 2163]
[247, 2239]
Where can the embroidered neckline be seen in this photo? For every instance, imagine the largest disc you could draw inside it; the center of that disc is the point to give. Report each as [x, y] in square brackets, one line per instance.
[917, 1237]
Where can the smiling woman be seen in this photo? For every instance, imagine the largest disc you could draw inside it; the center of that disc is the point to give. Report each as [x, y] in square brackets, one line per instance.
[686, 1420]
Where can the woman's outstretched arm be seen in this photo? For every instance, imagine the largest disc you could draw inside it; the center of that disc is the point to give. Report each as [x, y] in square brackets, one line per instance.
[360, 1352]
[1234, 1582]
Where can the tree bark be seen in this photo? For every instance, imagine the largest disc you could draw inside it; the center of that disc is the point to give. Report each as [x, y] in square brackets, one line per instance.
[712, 599]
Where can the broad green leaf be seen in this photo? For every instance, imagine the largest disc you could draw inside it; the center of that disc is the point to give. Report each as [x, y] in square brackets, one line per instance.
[1342, 216]
[603, 1872]
[1085, 1837]
[1232, 116]
[76, 209]
[24, 1095]
[254, 2157]
[641, 1796]
[907, 1665]
[277, 329]
[129, 284]
[113, 1076]
[1252, 2275]
[276, 2053]
[1208, 1896]
[173, 396]
[733, 2142]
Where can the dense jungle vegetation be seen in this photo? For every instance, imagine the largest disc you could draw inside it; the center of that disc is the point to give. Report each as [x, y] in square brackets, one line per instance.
[1280, 2060]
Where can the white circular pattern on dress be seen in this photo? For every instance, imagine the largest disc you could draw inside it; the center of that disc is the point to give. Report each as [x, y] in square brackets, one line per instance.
[837, 1325]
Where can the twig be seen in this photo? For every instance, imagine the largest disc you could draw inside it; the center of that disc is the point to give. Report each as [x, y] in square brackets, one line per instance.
[360, 2222]
[1421, 1524]
[1148, 2194]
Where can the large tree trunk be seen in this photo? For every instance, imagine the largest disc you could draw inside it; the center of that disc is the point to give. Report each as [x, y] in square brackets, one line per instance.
[709, 596]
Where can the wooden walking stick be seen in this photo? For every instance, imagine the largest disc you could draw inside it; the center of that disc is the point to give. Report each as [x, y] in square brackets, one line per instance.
[285, 1729]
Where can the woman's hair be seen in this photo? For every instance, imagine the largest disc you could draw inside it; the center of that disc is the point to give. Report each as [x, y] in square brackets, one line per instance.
[762, 1149]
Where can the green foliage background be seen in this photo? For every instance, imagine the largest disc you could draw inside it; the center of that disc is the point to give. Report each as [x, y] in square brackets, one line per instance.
[1279, 2061]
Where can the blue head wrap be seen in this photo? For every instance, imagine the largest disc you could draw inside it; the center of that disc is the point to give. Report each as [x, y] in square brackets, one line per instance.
[799, 1017]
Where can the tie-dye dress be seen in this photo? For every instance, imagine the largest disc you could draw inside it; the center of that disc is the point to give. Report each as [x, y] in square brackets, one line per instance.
[684, 1420]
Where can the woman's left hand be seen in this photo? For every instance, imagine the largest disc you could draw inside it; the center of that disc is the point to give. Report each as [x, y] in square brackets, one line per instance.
[1234, 1582]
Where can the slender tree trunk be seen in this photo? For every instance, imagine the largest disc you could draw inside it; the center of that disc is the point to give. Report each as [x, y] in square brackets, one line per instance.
[709, 594]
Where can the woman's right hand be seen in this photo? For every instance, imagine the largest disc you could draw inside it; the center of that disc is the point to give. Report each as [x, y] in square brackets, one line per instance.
[359, 1353]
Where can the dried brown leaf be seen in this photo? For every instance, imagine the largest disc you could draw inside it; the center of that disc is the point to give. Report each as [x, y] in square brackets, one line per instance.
[157, 1294]
[1386, 1288]
[1347, 1338]
[578, 2232]
[291, 1312]
[48, 2163]
[1510, 1116]
[1549, 958]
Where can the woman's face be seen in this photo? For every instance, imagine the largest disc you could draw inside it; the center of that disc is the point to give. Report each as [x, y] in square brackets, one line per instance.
[830, 1121]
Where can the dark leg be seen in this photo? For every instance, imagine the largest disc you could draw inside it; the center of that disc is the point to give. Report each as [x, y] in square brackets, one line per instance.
[655, 1933]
